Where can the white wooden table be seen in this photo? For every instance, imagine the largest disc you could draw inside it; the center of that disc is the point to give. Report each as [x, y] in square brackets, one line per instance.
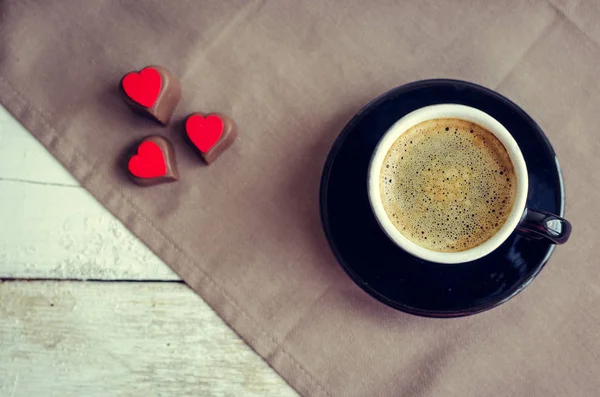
[86, 310]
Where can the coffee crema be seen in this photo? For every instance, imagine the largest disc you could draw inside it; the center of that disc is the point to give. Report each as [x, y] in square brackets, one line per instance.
[448, 185]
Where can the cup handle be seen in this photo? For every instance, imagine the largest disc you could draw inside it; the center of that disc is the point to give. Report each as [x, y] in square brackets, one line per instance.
[542, 224]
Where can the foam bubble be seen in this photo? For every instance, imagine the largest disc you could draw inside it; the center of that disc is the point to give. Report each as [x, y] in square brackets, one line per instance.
[449, 185]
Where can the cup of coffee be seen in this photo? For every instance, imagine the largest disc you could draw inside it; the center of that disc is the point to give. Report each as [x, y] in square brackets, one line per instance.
[448, 184]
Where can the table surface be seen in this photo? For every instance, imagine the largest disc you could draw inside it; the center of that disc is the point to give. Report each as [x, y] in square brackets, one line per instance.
[87, 310]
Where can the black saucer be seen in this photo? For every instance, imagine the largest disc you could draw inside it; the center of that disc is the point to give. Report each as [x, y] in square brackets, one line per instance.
[395, 277]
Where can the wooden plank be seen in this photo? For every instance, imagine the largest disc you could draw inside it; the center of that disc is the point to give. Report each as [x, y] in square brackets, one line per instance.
[122, 339]
[53, 231]
[24, 158]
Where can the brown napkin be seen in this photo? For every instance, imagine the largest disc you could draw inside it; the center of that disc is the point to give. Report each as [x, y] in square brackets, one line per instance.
[245, 233]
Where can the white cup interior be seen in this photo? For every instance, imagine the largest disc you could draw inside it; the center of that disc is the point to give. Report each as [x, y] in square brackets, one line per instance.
[442, 112]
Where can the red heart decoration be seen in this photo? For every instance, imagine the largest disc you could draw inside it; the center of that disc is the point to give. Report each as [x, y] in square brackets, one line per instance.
[149, 162]
[143, 87]
[204, 132]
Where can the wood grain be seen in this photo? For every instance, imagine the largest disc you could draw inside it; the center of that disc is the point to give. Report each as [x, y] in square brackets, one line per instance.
[122, 339]
[23, 158]
[62, 232]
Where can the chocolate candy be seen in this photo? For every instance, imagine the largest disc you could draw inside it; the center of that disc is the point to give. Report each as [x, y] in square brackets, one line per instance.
[154, 92]
[211, 134]
[153, 162]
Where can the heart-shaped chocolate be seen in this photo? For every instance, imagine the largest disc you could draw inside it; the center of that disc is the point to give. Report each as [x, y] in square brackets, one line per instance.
[149, 162]
[143, 87]
[153, 162]
[153, 91]
[204, 132]
[211, 134]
